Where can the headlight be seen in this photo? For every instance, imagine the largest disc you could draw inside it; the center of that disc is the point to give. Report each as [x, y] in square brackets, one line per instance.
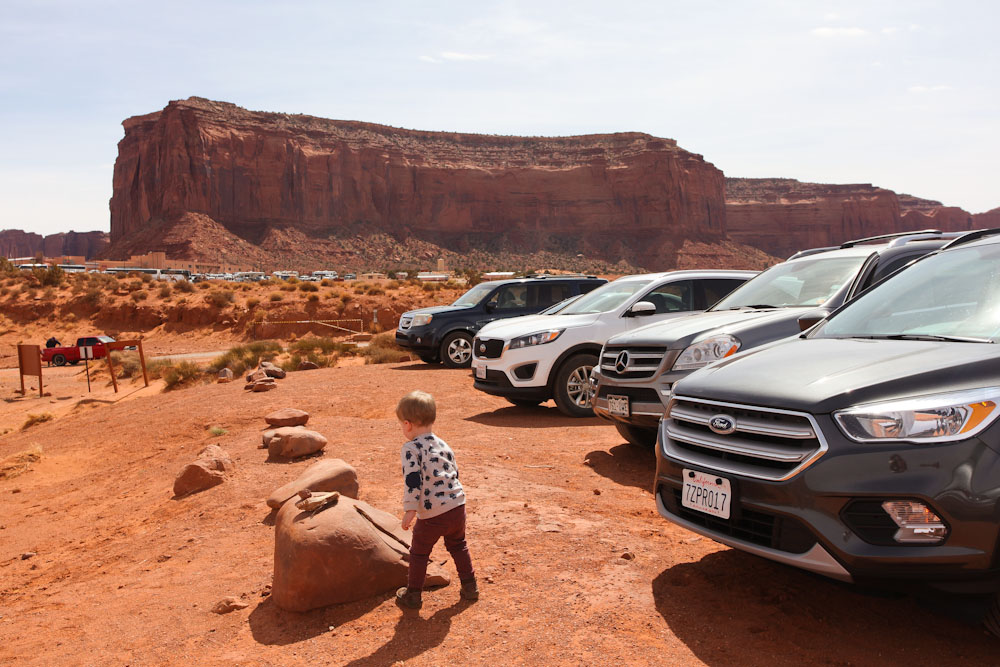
[935, 418]
[421, 320]
[705, 352]
[539, 338]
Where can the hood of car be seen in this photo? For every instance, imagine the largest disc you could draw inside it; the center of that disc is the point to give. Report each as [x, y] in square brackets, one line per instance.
[529, 324]
[820, 375]
[680, 332]
[434, 310]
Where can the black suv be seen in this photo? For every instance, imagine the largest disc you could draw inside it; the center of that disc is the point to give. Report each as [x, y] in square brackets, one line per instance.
[444, 333]
[866, 449]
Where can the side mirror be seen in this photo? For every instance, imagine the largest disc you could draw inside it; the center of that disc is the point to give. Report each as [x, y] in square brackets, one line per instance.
[640, 308]
[812, 318]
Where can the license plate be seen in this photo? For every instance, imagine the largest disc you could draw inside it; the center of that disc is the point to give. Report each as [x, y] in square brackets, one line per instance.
[480, 372]
[618, 405]
[707, 493]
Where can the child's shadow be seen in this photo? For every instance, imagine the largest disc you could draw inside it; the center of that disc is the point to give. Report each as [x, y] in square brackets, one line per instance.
[414, 635]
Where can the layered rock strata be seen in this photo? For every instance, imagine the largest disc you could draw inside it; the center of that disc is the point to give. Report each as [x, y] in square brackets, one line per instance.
[18, 243]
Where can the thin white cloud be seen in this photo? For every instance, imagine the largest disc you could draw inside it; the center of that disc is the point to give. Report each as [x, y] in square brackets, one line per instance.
[890, 30]
[832, 16]
[940, 88]
[429, 59]
[839, 32]
[455, 55]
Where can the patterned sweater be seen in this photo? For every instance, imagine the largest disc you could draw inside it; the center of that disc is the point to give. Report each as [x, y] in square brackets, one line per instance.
[431, 477]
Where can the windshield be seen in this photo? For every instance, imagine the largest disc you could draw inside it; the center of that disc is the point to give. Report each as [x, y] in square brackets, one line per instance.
[558, 307]
[954, 295]
[475, 295]
[605, 298]
[807, 282]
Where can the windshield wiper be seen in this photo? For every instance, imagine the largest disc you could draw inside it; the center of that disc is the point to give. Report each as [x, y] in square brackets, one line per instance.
[948, 339]
[754, 306]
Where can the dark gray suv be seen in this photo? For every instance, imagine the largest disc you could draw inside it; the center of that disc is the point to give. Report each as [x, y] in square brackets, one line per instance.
[866, 449]
[638, 369]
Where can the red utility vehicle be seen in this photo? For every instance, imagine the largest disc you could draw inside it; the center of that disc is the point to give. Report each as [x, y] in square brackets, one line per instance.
[60, 356]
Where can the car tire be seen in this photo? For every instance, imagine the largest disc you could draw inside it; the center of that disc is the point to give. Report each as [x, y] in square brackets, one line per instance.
[59, 360]
[525, 402]
[572, 388]
[992, 619]
[636, 435]
[428, 358]
[456, 350]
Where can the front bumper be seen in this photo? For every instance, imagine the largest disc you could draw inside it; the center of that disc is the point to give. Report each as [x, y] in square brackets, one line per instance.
[418, 339]
[647, 400]
[813, 519]
[496, 383]
[521, 373]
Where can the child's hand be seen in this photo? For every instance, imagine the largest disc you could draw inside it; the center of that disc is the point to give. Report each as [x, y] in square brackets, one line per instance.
[408, 518]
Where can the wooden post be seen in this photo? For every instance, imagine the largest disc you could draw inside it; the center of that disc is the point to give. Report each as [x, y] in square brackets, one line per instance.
[111, 368]
[142, 362]
[29, 362]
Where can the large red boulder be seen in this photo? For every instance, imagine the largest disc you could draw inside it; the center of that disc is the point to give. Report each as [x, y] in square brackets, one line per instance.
[325, 475]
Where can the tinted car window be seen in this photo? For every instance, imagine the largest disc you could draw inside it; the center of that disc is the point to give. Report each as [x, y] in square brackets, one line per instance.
[512, 297]
[607, 297]
[806, 282]
[542, 295]
[474, 295]
[672, 297]
[714, 289]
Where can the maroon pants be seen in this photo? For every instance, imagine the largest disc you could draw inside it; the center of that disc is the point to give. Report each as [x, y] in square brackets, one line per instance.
[426, 532]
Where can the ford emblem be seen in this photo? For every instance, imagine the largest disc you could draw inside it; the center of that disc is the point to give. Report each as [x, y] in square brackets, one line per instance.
[722, 424]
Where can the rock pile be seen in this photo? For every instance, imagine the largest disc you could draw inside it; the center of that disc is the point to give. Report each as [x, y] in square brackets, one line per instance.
[208, 470]
[289, 439]
[264, 376]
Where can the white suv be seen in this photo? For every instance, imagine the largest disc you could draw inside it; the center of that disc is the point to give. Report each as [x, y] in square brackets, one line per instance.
[531, 359]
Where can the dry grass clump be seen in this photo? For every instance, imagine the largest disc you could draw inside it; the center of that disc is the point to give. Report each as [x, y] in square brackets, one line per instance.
[165, 291]
[184, 286]
[126, 364]
[308, 287]
[221, 298]
[382, 349]
[20, 463]
[242, 357]
[276, 296]
[40, 418]
[175, 375]
[141, 295]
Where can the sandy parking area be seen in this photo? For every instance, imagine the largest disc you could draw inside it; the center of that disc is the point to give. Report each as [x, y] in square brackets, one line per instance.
[575, 564]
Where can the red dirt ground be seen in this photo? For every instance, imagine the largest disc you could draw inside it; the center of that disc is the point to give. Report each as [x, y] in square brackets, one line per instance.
[123, 574]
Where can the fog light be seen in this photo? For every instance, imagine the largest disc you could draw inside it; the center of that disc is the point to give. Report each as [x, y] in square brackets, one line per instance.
[917, 523]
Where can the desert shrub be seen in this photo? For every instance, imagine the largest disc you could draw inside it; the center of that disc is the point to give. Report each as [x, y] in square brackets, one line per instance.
[7, 267]
[220, 298]
[287, 288]
[429, 287]
[94, 296]
[146, 278]
[165, 291]
[184, 286]
[322, 345]
[180, 374]
[121, 275]
[276, 296]
[326, 282]
[347, 298]
[135, 285]
[50, 276]
[292, 280]
[238, 359]
[382, 349]
[36, 419]
[252, 302]
[126, 364]
[375, 290]
[308, 287]
[267, 282]
[141, 295]
[217, 430]
[4, 291]
[313, 297]
[49, 294]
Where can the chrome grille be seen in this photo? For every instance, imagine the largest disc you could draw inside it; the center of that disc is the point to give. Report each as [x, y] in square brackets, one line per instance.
[631, 363]
[405, 321]
[766, 443]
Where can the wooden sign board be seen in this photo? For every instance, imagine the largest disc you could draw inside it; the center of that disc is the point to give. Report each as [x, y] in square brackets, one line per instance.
[29, 362]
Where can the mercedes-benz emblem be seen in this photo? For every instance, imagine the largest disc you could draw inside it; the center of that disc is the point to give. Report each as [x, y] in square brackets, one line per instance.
[621, 361]
[722, 424]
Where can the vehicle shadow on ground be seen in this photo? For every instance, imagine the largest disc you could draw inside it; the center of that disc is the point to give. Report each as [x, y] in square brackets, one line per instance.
[625, 464]
[274, 626]
[533, 417]
[417, 365]
[733, 608]
[413, 635]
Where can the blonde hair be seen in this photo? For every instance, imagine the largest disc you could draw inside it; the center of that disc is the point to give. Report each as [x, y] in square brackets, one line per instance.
[417, 407]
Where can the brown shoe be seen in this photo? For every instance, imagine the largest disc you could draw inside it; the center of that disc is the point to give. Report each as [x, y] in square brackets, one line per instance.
[409, 599]
[469, 591]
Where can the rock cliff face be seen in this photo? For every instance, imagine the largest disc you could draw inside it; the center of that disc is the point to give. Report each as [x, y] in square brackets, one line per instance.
[17, 243]
[782, 216]
[269, 177]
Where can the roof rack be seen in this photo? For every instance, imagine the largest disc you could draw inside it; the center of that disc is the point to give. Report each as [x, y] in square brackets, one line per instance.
[557, 275]
[968, 237]
[883, 237]
[903, 240]
[812, 251]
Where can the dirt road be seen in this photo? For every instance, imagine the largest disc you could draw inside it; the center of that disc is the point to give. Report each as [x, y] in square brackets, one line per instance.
[575, 564]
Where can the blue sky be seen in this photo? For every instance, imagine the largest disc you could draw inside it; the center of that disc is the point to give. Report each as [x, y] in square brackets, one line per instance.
[902, 94]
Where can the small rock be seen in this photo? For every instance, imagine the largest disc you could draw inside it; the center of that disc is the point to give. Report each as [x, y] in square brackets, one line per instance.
[628, 555]
[258, 374]
[263, 386]
[163, 558]
[489, 580]
[292, 442]
[208, 470]
[597, 492]
[271, 370]
[15, 490]
[287, 417]
[228, 604]
[549, 528]
[226, 375]
[306, 365]
[28, 554]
